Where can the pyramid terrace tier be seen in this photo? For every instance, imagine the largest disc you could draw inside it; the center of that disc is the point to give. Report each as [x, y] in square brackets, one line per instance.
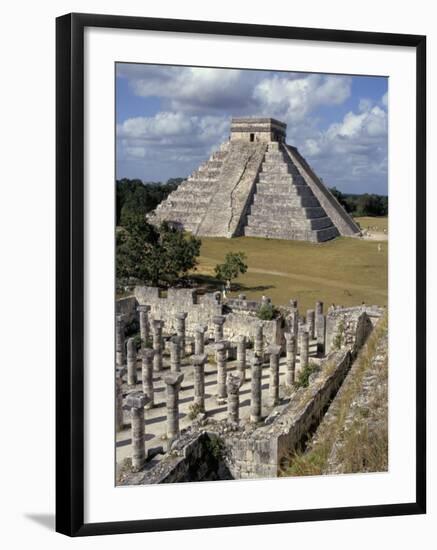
[256, 185]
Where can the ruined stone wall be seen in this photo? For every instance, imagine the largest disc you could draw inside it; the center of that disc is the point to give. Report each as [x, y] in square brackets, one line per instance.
[128, 308]
[200, 308]
[241, 324]
[345, 326]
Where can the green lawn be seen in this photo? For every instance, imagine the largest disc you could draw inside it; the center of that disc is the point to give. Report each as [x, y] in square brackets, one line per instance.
[367, 221]
[344, 271]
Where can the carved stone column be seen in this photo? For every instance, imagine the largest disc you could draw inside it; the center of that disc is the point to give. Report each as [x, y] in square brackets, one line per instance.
[198, 362]
[131, 362]
[143, 313]
[157, 344]
[233, 385]
[119, 417]
[221, 349]
[259, 341]
[147, 355]
[218, 321]
[120, 356]
[241, 357]
[199, 340]
[255, 390]
[175, 353]
[304, 349]
[311, 319]
[290, 348]
[173, 384]
[136, 401]
[180, 331]
[274, 352]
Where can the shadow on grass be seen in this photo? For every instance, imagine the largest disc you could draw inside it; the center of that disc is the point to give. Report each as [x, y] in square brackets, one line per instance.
[208, 283]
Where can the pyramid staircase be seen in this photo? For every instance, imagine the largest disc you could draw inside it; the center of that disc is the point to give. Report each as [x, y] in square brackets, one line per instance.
[187, 206]
[283, 205]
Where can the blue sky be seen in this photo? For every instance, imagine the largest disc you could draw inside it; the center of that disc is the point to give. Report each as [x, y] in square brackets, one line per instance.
[170, 119]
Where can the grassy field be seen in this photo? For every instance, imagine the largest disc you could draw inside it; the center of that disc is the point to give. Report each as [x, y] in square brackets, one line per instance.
[345, 271]
[379, 223]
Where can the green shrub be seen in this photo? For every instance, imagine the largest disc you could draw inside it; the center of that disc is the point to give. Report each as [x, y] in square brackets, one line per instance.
[266, 312]
[304, 375]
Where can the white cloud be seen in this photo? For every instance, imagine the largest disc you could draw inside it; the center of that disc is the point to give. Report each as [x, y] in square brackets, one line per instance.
[196, 105]
[295, 98]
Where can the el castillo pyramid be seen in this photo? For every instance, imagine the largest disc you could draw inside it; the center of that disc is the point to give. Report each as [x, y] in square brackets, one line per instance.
[256, 185]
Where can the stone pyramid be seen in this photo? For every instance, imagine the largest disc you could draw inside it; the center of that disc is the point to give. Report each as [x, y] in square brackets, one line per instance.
[256, 185]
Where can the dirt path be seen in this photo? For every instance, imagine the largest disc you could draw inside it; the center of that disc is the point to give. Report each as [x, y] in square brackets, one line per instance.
[312, 279]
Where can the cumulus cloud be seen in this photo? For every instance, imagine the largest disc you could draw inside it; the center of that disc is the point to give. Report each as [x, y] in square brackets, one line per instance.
[196, 105]
[352, 153]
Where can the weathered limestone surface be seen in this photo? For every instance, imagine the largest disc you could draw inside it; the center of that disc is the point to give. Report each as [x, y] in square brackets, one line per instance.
[258, 186]
[119, 417]
[147, 374]
[198, 362]
[284, 206]
[209, 449]
[340, 218]
[136, 401]
[233, 384]
[226, 212]
[131, 362]
[173, 384]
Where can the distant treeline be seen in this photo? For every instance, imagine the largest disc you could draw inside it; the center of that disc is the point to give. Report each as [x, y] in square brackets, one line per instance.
[136, 197]
[362, 205]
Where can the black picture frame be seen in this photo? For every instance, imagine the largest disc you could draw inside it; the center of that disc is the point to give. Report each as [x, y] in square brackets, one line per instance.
[70, 273]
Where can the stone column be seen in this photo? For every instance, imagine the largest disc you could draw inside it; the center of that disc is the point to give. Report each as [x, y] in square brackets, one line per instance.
[233, 384]
[119, 419]
[136, 401]
[198, 362]
[173, 384]
[131, 362]
[143, 312]
[274, 352]
[241, 357]
[290, 347]
[218, 321]
[221, 349]
[311, 316]
[120, 357]
[304, 349]
[259, 344]
[293, 304]
[175, 354]
[199, 340]
[180, 331]
[320, 327]
[255, 390]
[147, 355]
[157, 344]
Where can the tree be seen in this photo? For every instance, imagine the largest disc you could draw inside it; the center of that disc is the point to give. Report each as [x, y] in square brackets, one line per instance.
[148, 254]
[234, 265]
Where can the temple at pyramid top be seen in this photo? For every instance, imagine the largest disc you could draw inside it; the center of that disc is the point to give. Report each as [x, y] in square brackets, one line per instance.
[258, 129]
[256, 185]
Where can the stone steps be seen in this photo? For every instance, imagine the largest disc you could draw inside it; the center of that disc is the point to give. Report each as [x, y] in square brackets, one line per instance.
[281, 188]
[317, 235]
[295, 210]
[287, 217]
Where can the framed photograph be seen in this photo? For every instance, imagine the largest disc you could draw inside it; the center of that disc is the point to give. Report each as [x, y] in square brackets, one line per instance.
[240, 274]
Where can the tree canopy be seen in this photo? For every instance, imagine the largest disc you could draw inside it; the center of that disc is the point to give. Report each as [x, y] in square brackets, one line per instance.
[234, 265]
[362, 205]
[151, 255]
[136, 197]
